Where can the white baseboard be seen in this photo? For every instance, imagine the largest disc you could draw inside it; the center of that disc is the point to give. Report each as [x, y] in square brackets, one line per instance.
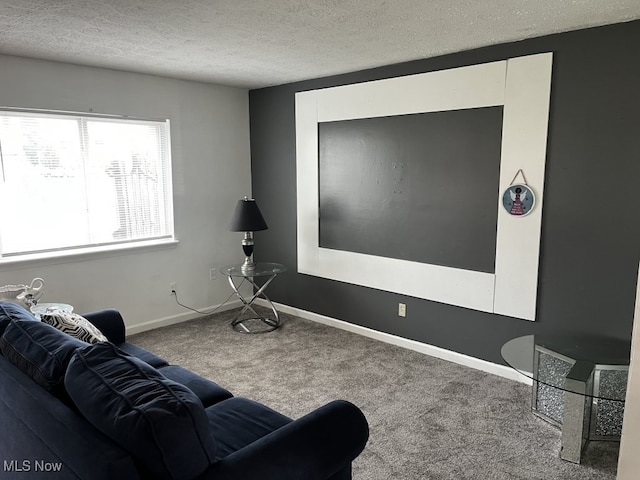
[179, 318]
[438, 352]
[455, 357]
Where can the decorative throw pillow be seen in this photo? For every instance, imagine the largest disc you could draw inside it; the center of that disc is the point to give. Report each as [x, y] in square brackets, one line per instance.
[40, 351]
[74, 325]
[160, 422]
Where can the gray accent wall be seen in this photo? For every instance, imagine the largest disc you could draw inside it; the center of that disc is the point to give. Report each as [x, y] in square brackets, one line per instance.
[590, 226]
[417, 187]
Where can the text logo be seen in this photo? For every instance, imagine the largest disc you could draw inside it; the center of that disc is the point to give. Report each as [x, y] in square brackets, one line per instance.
[31, 466]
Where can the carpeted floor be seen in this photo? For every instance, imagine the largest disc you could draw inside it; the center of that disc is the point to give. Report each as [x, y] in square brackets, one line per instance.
[429, 418]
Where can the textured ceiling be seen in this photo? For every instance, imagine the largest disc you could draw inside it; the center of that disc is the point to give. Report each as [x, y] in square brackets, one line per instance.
[257, 43]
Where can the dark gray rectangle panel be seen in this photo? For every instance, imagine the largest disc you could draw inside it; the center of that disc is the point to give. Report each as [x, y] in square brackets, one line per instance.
[420, 187]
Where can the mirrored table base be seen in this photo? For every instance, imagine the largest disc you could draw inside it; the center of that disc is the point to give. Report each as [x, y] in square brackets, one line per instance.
[579, 385]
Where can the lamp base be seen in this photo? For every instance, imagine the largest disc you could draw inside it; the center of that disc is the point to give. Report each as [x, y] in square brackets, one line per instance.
[248, 266]
[247, 247]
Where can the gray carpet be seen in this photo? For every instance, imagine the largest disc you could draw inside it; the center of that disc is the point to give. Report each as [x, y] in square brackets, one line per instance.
[429, 418]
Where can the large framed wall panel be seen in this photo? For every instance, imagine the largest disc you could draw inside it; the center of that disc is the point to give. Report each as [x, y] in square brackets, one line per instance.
[522, 86]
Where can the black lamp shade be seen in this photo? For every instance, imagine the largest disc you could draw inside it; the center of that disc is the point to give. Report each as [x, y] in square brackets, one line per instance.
[247, 217]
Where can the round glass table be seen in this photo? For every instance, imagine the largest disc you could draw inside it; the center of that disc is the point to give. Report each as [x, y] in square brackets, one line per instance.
[40, 308]
[259, 277]
[579, 384]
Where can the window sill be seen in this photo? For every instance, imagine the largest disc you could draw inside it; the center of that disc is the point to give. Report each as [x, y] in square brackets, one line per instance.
[84, 254]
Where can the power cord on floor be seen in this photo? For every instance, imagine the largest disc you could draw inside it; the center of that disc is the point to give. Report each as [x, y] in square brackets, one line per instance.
[175, 294]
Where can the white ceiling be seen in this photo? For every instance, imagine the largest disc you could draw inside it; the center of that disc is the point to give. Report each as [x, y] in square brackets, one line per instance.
[257, 43]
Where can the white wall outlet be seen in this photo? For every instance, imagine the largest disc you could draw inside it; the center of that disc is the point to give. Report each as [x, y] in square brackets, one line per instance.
[402, 310]
[213, 274]
[172, 288]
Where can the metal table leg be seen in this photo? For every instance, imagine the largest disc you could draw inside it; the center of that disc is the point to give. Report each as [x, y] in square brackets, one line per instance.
[256, 323]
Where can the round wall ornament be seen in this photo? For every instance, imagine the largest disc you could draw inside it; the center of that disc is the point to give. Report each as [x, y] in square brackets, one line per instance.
[518, 200]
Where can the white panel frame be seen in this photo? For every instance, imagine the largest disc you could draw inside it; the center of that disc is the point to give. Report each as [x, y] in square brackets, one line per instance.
[522, 85]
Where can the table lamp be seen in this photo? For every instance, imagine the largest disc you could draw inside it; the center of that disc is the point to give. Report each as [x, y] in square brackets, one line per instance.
[248, 219]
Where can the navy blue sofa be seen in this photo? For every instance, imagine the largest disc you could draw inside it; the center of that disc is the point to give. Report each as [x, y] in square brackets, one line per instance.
[112, 410]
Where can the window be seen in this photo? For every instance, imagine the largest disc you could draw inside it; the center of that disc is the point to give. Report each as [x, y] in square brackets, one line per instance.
[77, 181]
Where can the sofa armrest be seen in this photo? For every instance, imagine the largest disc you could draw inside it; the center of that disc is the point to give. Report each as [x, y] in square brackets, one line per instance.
[110, 323]
[314, 447]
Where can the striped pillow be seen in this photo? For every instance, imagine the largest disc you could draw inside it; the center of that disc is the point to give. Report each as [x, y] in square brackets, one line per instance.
[75, 325]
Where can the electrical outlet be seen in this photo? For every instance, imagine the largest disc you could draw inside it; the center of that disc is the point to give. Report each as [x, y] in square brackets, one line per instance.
[402, 310]
[213, 274]
[172, 288]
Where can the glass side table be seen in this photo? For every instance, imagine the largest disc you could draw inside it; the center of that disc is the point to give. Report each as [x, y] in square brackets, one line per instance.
[579, 385]
[41, 308]
[237, 277]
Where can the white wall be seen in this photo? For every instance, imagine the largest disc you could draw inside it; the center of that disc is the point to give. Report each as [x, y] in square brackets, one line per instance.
[211, 171]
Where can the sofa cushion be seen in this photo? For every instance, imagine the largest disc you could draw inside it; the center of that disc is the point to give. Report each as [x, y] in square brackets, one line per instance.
[159, 421]
[73, 324]
[144, 355]
[10, 311]
[207, 391]
[40, 351]
[237, 422]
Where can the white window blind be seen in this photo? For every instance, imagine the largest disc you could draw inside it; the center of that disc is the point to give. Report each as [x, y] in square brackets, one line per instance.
[75, 181]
